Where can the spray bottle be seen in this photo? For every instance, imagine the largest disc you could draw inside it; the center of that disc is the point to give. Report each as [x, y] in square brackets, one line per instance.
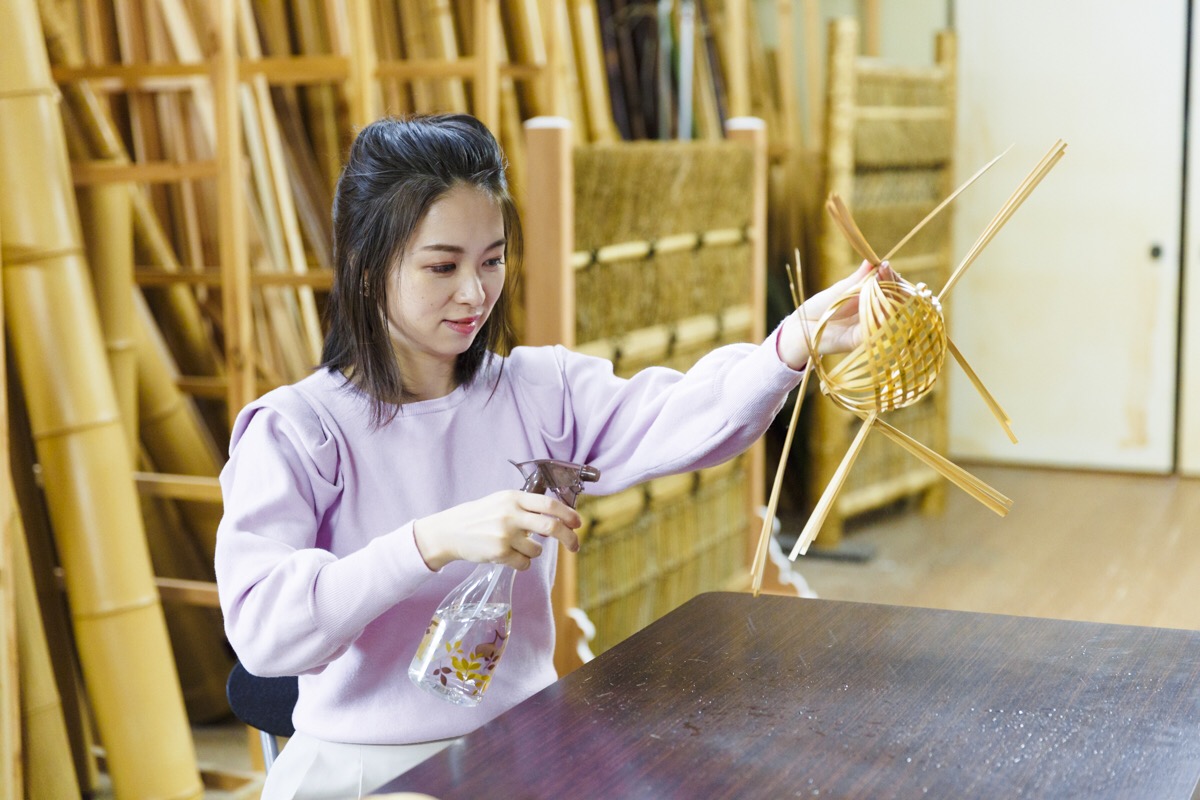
[468, 633]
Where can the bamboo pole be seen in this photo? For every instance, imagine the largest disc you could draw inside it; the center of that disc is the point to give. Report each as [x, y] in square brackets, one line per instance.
[49, 770]
[171, 431]
[105, 212]
[11, 747]
[55, 625]
[188, 336]
[118, 620]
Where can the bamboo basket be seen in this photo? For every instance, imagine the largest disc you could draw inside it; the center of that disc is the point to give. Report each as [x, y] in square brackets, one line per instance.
[82, 448]
[889, 134]
[648, 253]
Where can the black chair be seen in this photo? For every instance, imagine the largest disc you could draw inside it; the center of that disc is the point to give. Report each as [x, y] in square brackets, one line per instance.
[264, 704]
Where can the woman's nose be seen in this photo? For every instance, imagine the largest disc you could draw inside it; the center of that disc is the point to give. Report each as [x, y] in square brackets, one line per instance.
[470, 288]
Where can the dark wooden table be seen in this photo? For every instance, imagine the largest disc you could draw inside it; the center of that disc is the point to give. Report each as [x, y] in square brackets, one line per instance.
[732, 696]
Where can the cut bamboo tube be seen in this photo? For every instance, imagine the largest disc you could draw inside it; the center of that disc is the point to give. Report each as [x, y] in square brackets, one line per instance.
[48, 766]
[119, 626]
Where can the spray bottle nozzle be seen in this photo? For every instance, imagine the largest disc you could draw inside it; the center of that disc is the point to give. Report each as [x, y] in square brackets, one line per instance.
[564, 478]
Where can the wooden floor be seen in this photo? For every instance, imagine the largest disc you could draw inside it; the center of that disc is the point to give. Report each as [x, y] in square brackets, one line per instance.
[1076, 545]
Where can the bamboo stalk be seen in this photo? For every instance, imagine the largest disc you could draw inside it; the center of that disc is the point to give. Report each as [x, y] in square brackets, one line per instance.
[281, 192]
[119, 626]
[49, 770]
[105, 213]
[11, 746]
[55, 626]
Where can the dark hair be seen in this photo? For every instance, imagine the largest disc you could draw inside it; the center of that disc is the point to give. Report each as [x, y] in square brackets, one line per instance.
[397, 169]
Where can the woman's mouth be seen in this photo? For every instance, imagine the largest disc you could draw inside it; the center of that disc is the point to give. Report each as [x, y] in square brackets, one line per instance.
[466, 325]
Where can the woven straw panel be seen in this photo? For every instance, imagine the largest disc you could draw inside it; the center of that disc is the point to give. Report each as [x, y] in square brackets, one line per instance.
[649, 549]
[652, 548]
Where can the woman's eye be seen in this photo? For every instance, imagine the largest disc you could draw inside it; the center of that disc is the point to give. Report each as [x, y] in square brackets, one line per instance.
[495, 262]
[442, 269]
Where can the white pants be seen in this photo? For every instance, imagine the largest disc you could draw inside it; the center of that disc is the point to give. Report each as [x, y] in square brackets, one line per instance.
[309, 768]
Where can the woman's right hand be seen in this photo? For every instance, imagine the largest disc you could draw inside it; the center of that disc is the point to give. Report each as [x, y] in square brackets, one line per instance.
[495, 530]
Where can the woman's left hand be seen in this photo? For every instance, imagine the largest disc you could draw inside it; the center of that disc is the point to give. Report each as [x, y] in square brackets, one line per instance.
[841, 333]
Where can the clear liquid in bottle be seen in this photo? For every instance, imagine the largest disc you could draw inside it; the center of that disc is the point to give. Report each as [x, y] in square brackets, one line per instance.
[469, 631]
[460, 651]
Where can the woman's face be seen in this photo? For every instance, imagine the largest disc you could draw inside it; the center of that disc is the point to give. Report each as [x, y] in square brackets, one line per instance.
[448, 279]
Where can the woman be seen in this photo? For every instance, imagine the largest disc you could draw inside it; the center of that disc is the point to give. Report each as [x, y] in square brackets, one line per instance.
[358, 497]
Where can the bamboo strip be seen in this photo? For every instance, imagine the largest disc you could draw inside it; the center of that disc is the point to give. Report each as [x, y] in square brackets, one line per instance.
[758, 565]
[942, 205]
[993, 406]
[231, 221]
[845, 221]
[119, 625]
[964, 480]
[365, 99]
[813, 525]
[1056, 152]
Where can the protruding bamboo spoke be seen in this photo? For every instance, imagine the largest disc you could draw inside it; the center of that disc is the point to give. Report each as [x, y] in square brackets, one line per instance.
[764, 537]
[1006, 211]
[998, 412]
[949, 470]
[943, 204]
[841, 215]
[817, 519]
[796, 286]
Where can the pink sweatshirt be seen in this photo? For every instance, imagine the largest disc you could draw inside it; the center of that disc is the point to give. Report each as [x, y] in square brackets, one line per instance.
[318, 572]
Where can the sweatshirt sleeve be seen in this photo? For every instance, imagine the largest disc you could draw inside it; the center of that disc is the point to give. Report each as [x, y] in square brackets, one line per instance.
[660, 421]
[290, 605]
